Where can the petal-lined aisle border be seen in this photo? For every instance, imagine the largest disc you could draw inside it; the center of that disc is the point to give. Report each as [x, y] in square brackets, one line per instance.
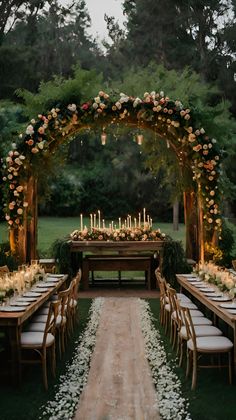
[71, 384]
[172, 405]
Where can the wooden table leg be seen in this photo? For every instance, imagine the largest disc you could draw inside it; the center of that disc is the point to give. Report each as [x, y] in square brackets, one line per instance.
[85, 274]
[234, 348]
[14, 340]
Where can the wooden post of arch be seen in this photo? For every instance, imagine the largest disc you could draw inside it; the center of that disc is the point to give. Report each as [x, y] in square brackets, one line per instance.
[27, 233]
[32, 220]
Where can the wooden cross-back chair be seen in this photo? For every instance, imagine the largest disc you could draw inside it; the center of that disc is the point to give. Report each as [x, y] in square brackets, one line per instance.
[41, 342]
[204, 345]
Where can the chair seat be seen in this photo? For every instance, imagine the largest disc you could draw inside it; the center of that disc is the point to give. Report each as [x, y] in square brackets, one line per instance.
[36, 326]
[188, 305]
[201, 320]
[35, 339]
[206, 344]
[183, 298]
[194, 314]
[202, 331]
[43, 311]
[40, 318]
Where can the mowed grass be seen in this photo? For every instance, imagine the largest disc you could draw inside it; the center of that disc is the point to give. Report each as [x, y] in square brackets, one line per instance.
[25, 402]
[52, 228]
[214, 398]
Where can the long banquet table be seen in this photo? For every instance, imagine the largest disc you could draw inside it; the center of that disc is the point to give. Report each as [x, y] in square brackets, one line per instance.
[12, 323]
[214, 306]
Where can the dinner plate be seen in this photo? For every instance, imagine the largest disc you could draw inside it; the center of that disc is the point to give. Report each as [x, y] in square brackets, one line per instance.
[12, 308]
[221, 299]
[49, 284]
[199, 285]
[232, 311]
[20, 303]
[27, 299]
[207, 289]
[52, 280]
[193, 279]
[188, 275]
[56, 275]
[228, 305]
[211, 295]
[32, 294]
[40, 284]
[41, 289]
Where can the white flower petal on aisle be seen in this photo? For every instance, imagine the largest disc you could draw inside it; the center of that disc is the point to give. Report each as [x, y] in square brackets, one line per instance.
[72, 383]
[172, 405]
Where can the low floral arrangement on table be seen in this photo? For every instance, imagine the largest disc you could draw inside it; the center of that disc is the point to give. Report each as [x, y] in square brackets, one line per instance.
[18, 282]
[123, 234]
[220, 277]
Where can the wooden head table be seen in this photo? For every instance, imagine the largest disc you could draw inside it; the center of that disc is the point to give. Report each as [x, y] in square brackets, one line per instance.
[12, 323]
[214, 306]
[118, 256]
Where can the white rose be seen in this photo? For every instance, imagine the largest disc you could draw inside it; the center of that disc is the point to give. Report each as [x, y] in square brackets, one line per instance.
[30, 130]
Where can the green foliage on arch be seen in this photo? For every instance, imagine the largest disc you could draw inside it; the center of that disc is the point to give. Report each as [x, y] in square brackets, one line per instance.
[197, 153]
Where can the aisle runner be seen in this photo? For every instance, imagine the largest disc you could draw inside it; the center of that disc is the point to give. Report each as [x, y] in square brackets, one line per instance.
[119, 384]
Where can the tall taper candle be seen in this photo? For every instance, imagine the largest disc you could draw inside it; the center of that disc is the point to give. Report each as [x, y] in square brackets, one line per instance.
[91, 221]
[99, 219]
[144, 216]
[139, 220]
[81, 222]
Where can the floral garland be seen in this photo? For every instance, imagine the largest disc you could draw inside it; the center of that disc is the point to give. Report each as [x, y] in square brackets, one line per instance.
[213, 274]
[155, 109]
[72, 383]
[135, 234]
[172, 405]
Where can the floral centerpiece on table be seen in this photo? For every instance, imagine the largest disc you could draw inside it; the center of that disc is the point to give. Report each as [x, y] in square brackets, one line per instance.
[218, 276]
[123, 234]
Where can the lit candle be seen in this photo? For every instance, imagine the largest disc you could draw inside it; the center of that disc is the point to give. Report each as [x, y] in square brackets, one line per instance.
[112, 225]
[139, 220]
[119, 223]
[135, 222]
[103, 223]
[99, 219]
[125, 224]
[148, 220]
[94, 220]
[144, 216]
[81, 221]
[91, 221]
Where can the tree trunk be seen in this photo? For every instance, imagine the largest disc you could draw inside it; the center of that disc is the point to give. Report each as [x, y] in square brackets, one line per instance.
[176, 215]
[191, 223]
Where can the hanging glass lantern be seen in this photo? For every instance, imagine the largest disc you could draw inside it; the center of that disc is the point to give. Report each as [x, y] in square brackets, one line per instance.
[103, 138]
[139, 139]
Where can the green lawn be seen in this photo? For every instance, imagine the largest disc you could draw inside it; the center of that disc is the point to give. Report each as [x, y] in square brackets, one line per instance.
[24, 403]
[52, 228]
[214, 398]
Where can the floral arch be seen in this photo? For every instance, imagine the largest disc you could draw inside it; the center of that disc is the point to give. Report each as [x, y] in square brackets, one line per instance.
[168, 119]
